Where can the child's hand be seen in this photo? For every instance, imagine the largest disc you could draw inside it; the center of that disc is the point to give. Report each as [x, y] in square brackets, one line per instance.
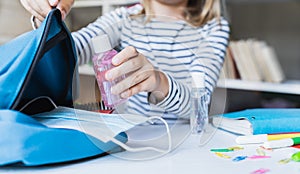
[142, 76]
[41, 8]
[63, 5]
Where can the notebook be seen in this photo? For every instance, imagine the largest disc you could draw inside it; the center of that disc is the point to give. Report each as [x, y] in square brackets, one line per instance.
[259, 121]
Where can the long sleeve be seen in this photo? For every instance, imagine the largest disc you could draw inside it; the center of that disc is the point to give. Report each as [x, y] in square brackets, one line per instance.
[208, 59]
[109, 24]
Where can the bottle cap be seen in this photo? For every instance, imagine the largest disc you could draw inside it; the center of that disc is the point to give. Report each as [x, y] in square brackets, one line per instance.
[198, 79]
[101, 43]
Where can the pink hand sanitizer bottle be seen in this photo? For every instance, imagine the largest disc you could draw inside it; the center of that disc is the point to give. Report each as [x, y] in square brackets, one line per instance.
[102, 61]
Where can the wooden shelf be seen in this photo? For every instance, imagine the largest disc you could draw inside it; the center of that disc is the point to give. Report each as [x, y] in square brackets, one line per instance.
[288, 87]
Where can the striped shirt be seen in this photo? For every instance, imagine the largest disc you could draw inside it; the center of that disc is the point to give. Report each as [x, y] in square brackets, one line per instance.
[174, 47]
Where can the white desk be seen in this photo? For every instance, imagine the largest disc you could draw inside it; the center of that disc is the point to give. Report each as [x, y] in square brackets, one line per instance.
[186, 158]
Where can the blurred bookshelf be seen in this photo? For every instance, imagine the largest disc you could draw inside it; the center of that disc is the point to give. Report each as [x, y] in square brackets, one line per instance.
[264, 46]
[273, 23]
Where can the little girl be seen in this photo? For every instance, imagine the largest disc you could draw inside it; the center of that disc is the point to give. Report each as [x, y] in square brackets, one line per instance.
[161, 43]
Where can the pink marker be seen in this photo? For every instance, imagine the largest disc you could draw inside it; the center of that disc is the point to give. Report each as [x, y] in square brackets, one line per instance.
[258, 157]
[260, 171]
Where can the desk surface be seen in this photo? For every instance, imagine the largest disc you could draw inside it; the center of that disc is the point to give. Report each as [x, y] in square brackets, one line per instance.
[187, 157]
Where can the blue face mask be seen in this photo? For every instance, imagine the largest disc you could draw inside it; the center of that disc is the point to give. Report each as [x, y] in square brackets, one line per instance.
[27, 141]
[104, 127]
[65, 134]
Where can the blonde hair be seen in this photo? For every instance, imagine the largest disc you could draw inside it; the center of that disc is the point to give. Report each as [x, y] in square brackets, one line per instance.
[197, 12]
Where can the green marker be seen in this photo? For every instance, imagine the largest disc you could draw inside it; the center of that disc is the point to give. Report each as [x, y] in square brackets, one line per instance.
[221, 150]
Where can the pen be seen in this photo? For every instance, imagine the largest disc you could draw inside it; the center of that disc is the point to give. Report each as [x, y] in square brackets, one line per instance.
[287, 142]
[261, 138]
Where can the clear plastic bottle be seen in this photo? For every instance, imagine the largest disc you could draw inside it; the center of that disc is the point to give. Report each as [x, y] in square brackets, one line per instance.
[102, 61]
[199, 104]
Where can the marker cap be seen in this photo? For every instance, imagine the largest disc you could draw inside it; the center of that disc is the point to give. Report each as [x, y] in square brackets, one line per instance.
[252, 139]
[296, 140]
[279, 143]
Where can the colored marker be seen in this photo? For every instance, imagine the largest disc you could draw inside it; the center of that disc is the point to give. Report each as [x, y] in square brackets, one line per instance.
[221, 150]
[222, 155]
[261, 171]
[287, 142]
[235, 148]
[229, 149]
[261, 138]
[258, 157]
[284, 161]
[239, 158]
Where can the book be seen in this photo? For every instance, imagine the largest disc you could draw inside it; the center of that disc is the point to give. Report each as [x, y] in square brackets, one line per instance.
[272, 69]
[229, 70]
[248, 58]
[238, 57]
[252, 60]
[259, 121]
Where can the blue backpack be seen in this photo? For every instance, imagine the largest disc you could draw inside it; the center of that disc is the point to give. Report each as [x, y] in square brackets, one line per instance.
[41, 63]
[38, 63]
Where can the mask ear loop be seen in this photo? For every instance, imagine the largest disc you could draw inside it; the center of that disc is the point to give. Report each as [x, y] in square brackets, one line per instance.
[37, 98]
[140, 149]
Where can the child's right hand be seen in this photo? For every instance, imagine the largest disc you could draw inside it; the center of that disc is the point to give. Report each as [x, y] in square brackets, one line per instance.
[41, 8]
[142, 76]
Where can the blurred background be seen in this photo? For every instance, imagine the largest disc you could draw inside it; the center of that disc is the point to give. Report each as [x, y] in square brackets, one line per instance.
[275, 22]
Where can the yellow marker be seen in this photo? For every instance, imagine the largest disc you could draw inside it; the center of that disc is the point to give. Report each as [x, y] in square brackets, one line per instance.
[261, 138]
[235, 148]
[222, 155]
[284, 161]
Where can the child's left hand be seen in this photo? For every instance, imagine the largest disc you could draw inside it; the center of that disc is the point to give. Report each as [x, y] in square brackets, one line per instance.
[142, 76]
